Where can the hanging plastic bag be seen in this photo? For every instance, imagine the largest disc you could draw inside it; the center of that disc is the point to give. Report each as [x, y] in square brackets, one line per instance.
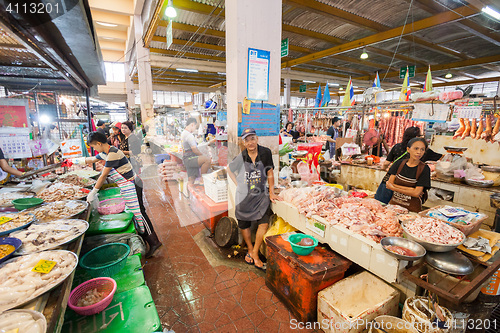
[285, 172]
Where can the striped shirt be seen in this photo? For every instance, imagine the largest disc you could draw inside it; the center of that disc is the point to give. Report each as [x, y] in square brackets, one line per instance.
[117, 160]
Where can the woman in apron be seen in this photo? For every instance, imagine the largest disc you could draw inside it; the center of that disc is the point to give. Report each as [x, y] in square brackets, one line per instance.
[251, 171]
[119, 170]
[410, 178]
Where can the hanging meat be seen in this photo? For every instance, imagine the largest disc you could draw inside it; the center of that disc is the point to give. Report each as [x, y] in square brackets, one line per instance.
[496, 129]
[486, 135]
[461, 129]
[480, 129]
[467, 128]
[473, 130]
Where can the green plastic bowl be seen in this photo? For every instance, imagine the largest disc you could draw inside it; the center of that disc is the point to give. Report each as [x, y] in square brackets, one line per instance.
[299, 249]
[105, 260]
[25, 203]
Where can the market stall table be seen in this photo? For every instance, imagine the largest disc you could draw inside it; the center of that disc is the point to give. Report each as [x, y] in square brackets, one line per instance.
[465, 196]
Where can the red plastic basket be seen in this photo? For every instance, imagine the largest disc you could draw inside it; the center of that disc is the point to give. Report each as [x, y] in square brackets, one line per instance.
[103, 284]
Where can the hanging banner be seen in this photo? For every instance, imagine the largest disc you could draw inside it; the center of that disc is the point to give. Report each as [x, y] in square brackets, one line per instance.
[14, 112]
[41, 147]
[71, 148]
[436, 113]
[258, 74]
[15, 142]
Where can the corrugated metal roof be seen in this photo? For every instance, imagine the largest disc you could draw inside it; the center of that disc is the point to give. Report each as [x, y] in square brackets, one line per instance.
[212, 22]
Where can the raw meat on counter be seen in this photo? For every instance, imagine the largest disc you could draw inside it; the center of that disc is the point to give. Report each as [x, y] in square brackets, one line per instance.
[432, 230]
[364, 216]
[168, 170]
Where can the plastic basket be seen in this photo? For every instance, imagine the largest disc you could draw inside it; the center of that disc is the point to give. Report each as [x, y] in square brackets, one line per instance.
[105, 260]
[215, 189]
[103, 284]
[118, 206]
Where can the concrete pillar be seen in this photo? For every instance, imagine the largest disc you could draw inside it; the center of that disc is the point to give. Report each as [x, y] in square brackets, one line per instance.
[250, 24]
[288, 87]
[129, 86]
[144, 73]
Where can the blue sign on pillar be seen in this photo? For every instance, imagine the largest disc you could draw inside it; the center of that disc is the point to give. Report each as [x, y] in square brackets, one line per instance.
[258, 74]
[263, 117]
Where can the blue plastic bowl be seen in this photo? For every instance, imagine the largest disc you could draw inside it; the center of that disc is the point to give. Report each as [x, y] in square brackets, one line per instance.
[16, 242]
[299, 249]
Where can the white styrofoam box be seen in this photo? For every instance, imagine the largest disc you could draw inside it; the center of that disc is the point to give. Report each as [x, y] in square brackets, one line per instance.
[350, 304]
[279, 208]
[359, 250]
[384, 265]
[338, 239]
[319, 228]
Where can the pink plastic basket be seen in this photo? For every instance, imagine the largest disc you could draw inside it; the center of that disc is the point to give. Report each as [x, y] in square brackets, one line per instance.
[118, 207]
[103, 284]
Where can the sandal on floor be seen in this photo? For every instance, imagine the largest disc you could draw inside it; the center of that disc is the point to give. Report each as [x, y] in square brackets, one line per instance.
[262, 268]
[249, 262]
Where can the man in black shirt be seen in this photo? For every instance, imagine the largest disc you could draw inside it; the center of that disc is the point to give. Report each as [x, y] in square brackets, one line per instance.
[251, 171]
[101, 124]
[333, 134]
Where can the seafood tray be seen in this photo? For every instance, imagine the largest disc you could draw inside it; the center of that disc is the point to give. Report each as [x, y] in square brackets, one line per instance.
[62, 191]
[19, 221]
[46, 236]
[7, 197]
[19, 284]
[23, 321]
[58, 210]
[76, 180]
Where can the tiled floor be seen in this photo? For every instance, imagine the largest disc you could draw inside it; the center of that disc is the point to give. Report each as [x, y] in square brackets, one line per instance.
[191, 295]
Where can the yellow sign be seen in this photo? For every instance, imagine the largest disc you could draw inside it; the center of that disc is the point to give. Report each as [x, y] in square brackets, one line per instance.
[4, 219]
[44, 266]
[14, 330]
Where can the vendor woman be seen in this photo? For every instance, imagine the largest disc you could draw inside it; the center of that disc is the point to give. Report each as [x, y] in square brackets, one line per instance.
[119, 170]
[7, 168]
[398, 152]
[288, 131]
[410, 178]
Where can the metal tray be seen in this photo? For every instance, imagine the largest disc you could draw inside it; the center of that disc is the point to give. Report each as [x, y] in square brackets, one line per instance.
[86, 204]
[479, 183]
[430, 246]
[35, 314]
[53, 246]
[6, 232]
[42, 290]
[455, 149]
[450, 262]
[490, 168]
[406, 243]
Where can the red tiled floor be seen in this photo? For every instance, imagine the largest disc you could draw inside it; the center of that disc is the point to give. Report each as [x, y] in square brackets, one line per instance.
[190, 294]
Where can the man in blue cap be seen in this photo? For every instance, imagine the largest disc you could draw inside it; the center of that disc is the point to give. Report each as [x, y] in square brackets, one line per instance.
[251, 171]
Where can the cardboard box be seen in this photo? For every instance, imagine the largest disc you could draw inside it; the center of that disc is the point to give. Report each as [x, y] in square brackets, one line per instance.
[350, 304]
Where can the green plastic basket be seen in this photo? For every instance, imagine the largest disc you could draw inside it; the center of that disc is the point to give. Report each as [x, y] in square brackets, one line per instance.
[299, 249]
[25, 203]
[105, 260]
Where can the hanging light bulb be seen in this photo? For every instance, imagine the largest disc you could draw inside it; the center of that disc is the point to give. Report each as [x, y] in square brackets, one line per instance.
[449, 75]
[364, 55]
[170, 11]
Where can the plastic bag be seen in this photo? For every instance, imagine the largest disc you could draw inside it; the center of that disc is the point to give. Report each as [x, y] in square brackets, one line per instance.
[437, 195]
[279, 227]
[473, 172]
[285, 172]
[135, 242]
[449, 163]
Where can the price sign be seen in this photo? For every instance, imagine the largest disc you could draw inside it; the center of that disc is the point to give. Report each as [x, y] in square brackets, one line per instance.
[4, 219]
[44, 266]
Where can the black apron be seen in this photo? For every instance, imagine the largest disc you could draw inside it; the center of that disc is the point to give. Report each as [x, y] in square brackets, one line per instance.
[252, 199]
[413, 204]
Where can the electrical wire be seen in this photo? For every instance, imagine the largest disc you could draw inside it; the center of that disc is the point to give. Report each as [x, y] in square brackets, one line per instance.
[181, 52]
[399, 40]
